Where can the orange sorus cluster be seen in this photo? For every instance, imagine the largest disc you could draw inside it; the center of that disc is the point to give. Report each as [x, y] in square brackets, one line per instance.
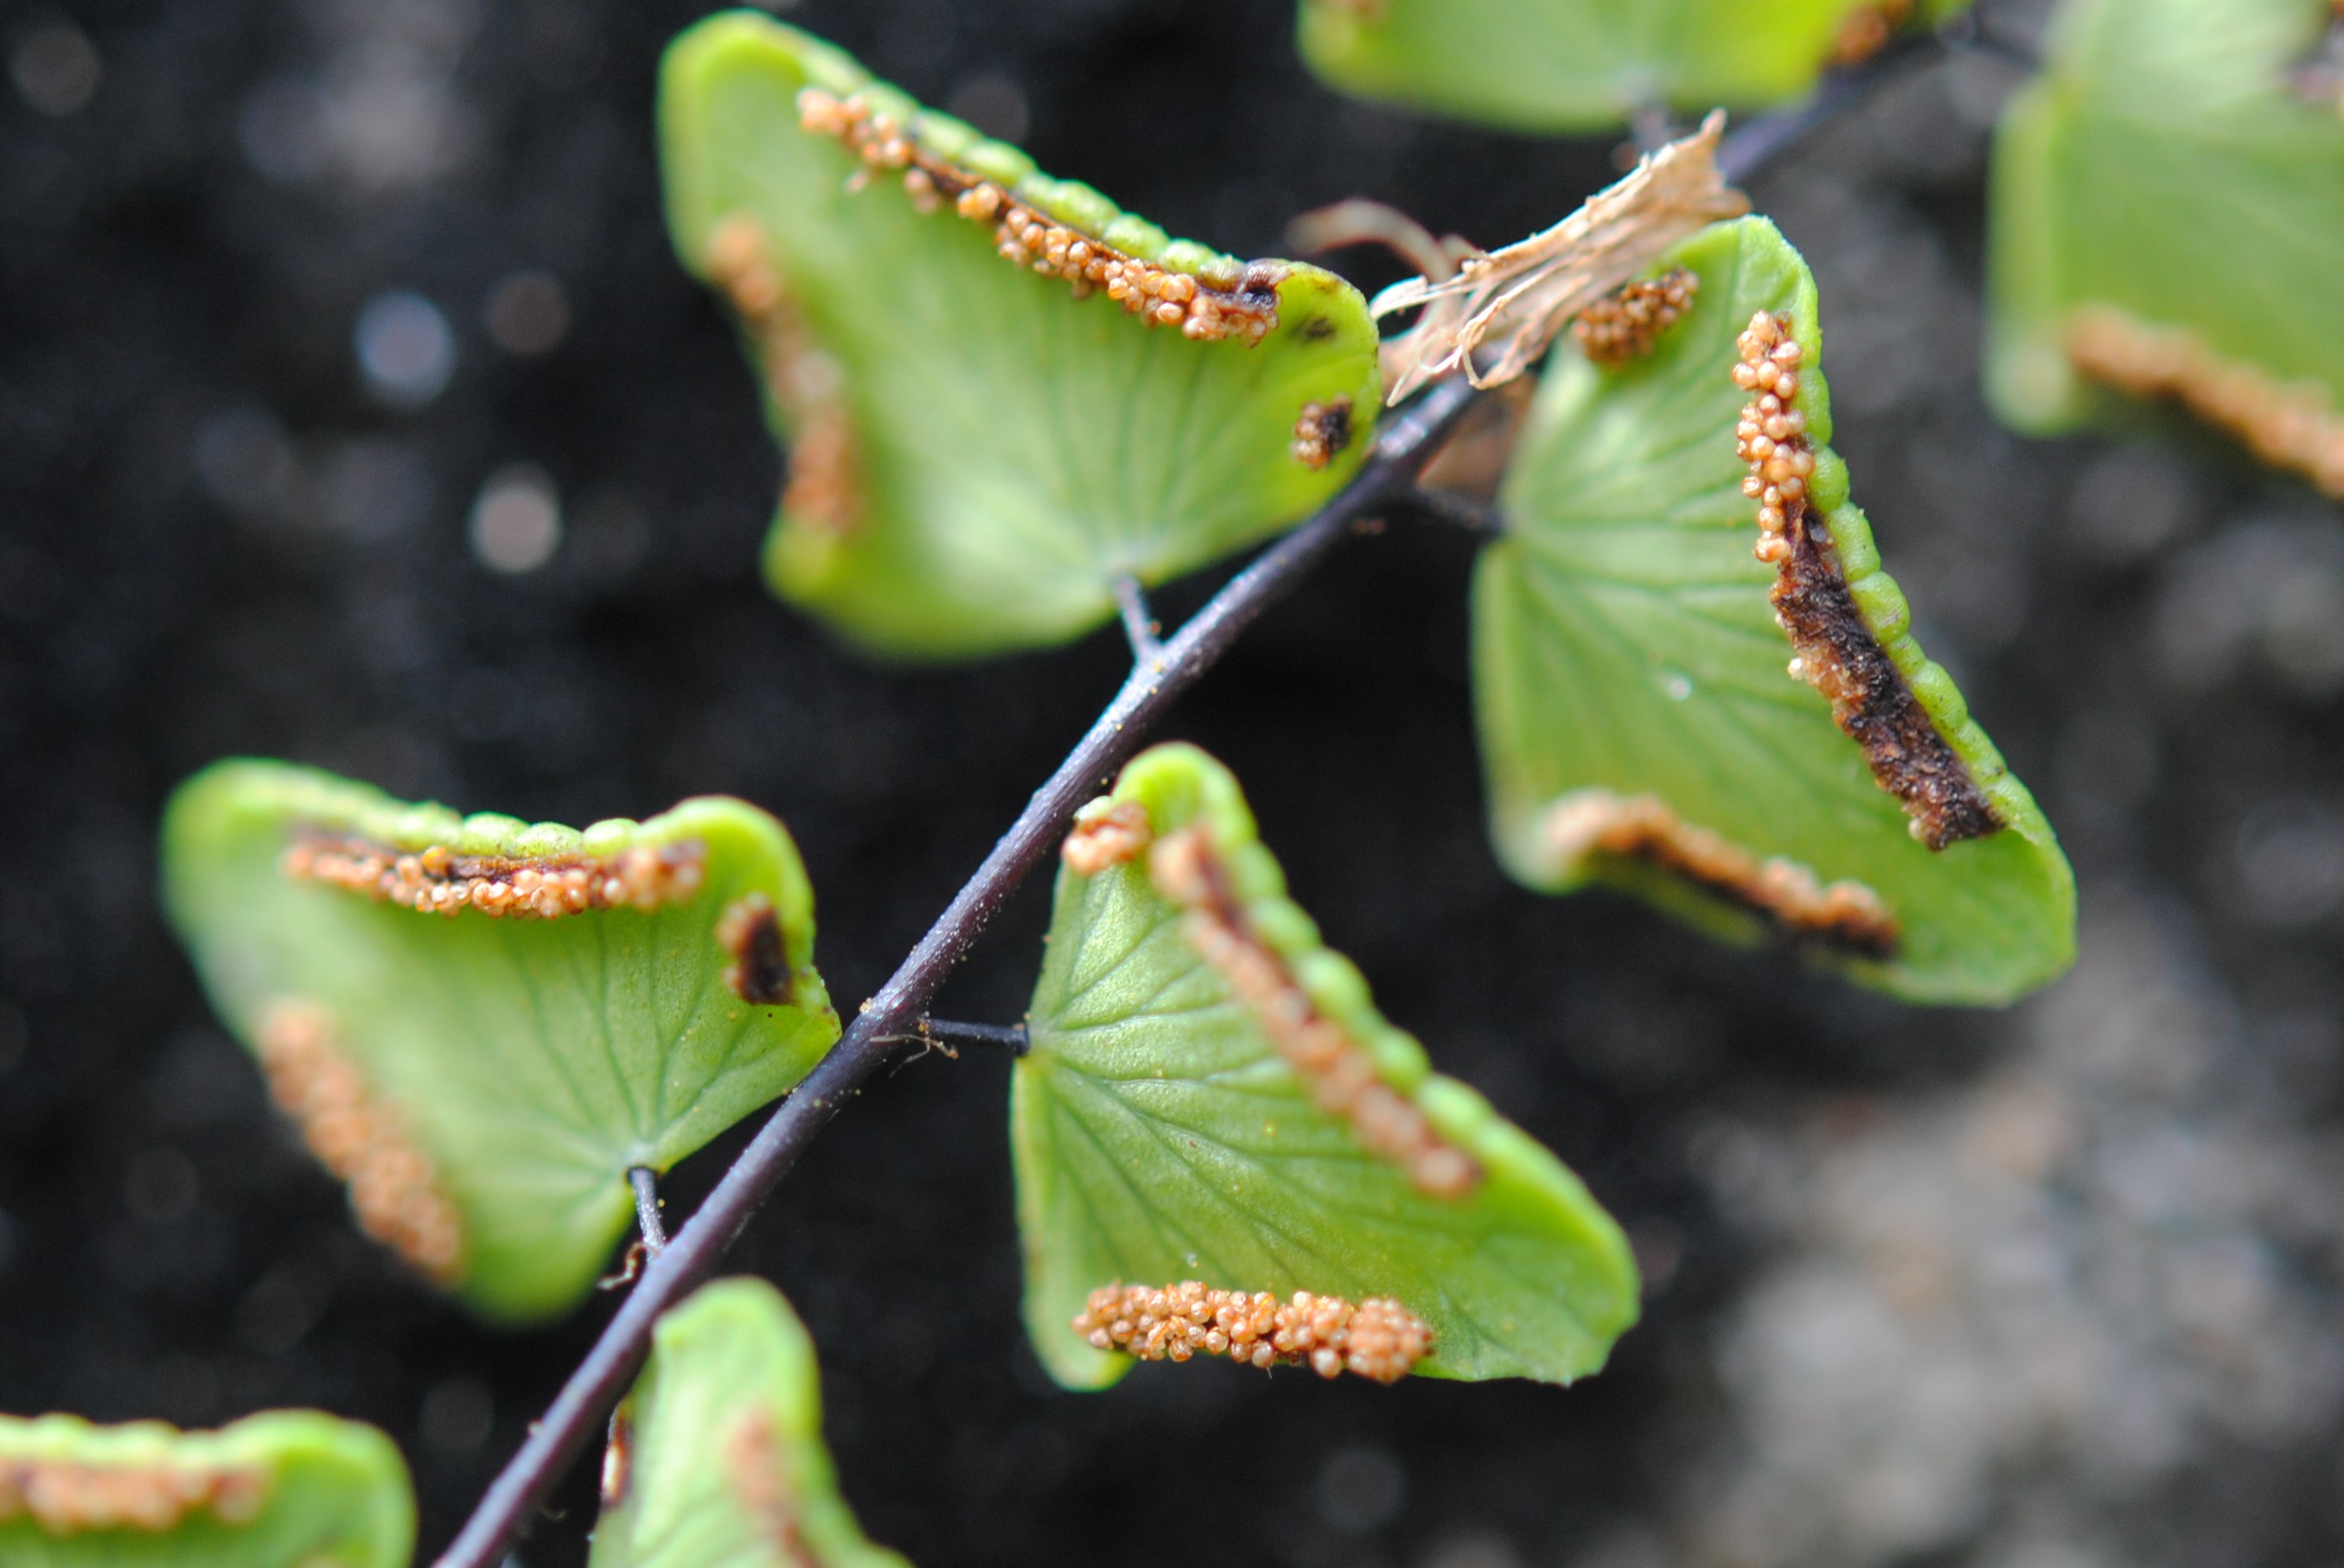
[1627, 324]
[1339, 1071]
[1158, 295]
[1106, 833]
[64, 1496]
[757, 1464]
[1321, 432]
[438, 880]
[751, 931]
[1868, 30]
[1377, 1339]
[2292, 424]
[822, 487]
[394, 1189]
[1642, 828]
[1772, 434]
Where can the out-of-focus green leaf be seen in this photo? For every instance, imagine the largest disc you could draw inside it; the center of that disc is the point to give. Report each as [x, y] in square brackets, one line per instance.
[717, 1459]
[976, 454]
[1165, 1131]
[485, 1080]
[1577, 65]
[1626, 651]
[286, 1489]
[2162, 169]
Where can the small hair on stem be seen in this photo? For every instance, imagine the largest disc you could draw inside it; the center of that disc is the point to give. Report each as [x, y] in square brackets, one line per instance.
[645, 1182]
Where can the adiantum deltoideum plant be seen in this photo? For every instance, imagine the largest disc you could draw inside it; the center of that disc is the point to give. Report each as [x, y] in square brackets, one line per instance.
[1009, 406]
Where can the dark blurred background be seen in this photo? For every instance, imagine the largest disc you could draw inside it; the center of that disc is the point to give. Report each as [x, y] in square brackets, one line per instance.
[353, 410]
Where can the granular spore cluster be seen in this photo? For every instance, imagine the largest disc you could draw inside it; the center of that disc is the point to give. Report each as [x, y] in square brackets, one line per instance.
[1626, 325]
[1838, 652]
[438, 880]
[1222, 301]
[1377, 1339]
[1339, 1071]
[2292, 424]
[394, 1187]
[1843, 914]
[67, 1497]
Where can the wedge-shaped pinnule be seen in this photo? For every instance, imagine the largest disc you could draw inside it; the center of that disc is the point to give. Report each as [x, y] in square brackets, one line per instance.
[2167, 219]
[1638, 723]
[1576, 65]
[287, 1489]
[716, 1459]
[1000, 393]
[482, 1024]
[1223, 1150]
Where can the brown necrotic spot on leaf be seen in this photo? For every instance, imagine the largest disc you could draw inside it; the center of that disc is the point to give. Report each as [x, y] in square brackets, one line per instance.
[1626, 324]
[751, 931]
[822, 487]
[394, 1188]
[1321, 432]
[438, 880]
[2292, 424]
[1242, 305]
[1379, 1339]
[1106, 833]
[757, 1467]
[1339, 1072]
[1786, 895]
[64, 1496]
[1837, 653]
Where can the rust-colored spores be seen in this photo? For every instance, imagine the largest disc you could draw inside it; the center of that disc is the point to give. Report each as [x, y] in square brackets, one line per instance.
[1837, 653]
[1246, 309]
[2292, 424]
[65, 1497]
[751, 931]
[1845, 914]
[438, 880]
[1625, 325]
[1377, 1339]
[1106, 833]
[1321, 432]
[757, 1468]
[1339, 1071]
[394, 1188]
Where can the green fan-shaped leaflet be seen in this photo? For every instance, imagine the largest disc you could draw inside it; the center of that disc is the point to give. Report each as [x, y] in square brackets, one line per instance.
[1624, 642]
[1159, 1137]
[287, 1489]
[1014, 450]
[719, 1462]
[2161, 166]
[1575, 65]
[532, 1061]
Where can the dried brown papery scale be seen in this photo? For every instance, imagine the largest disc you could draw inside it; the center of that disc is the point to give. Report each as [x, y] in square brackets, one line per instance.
[394, 1188]
[2291, 425]
[1339, 1072]
[1321, 432]
[64, 1497]
[1837, 653]
[1246, 309]
[438, 880]
[1379, 1339]
[751, 931]
[1845, 914]
[1625, 325]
